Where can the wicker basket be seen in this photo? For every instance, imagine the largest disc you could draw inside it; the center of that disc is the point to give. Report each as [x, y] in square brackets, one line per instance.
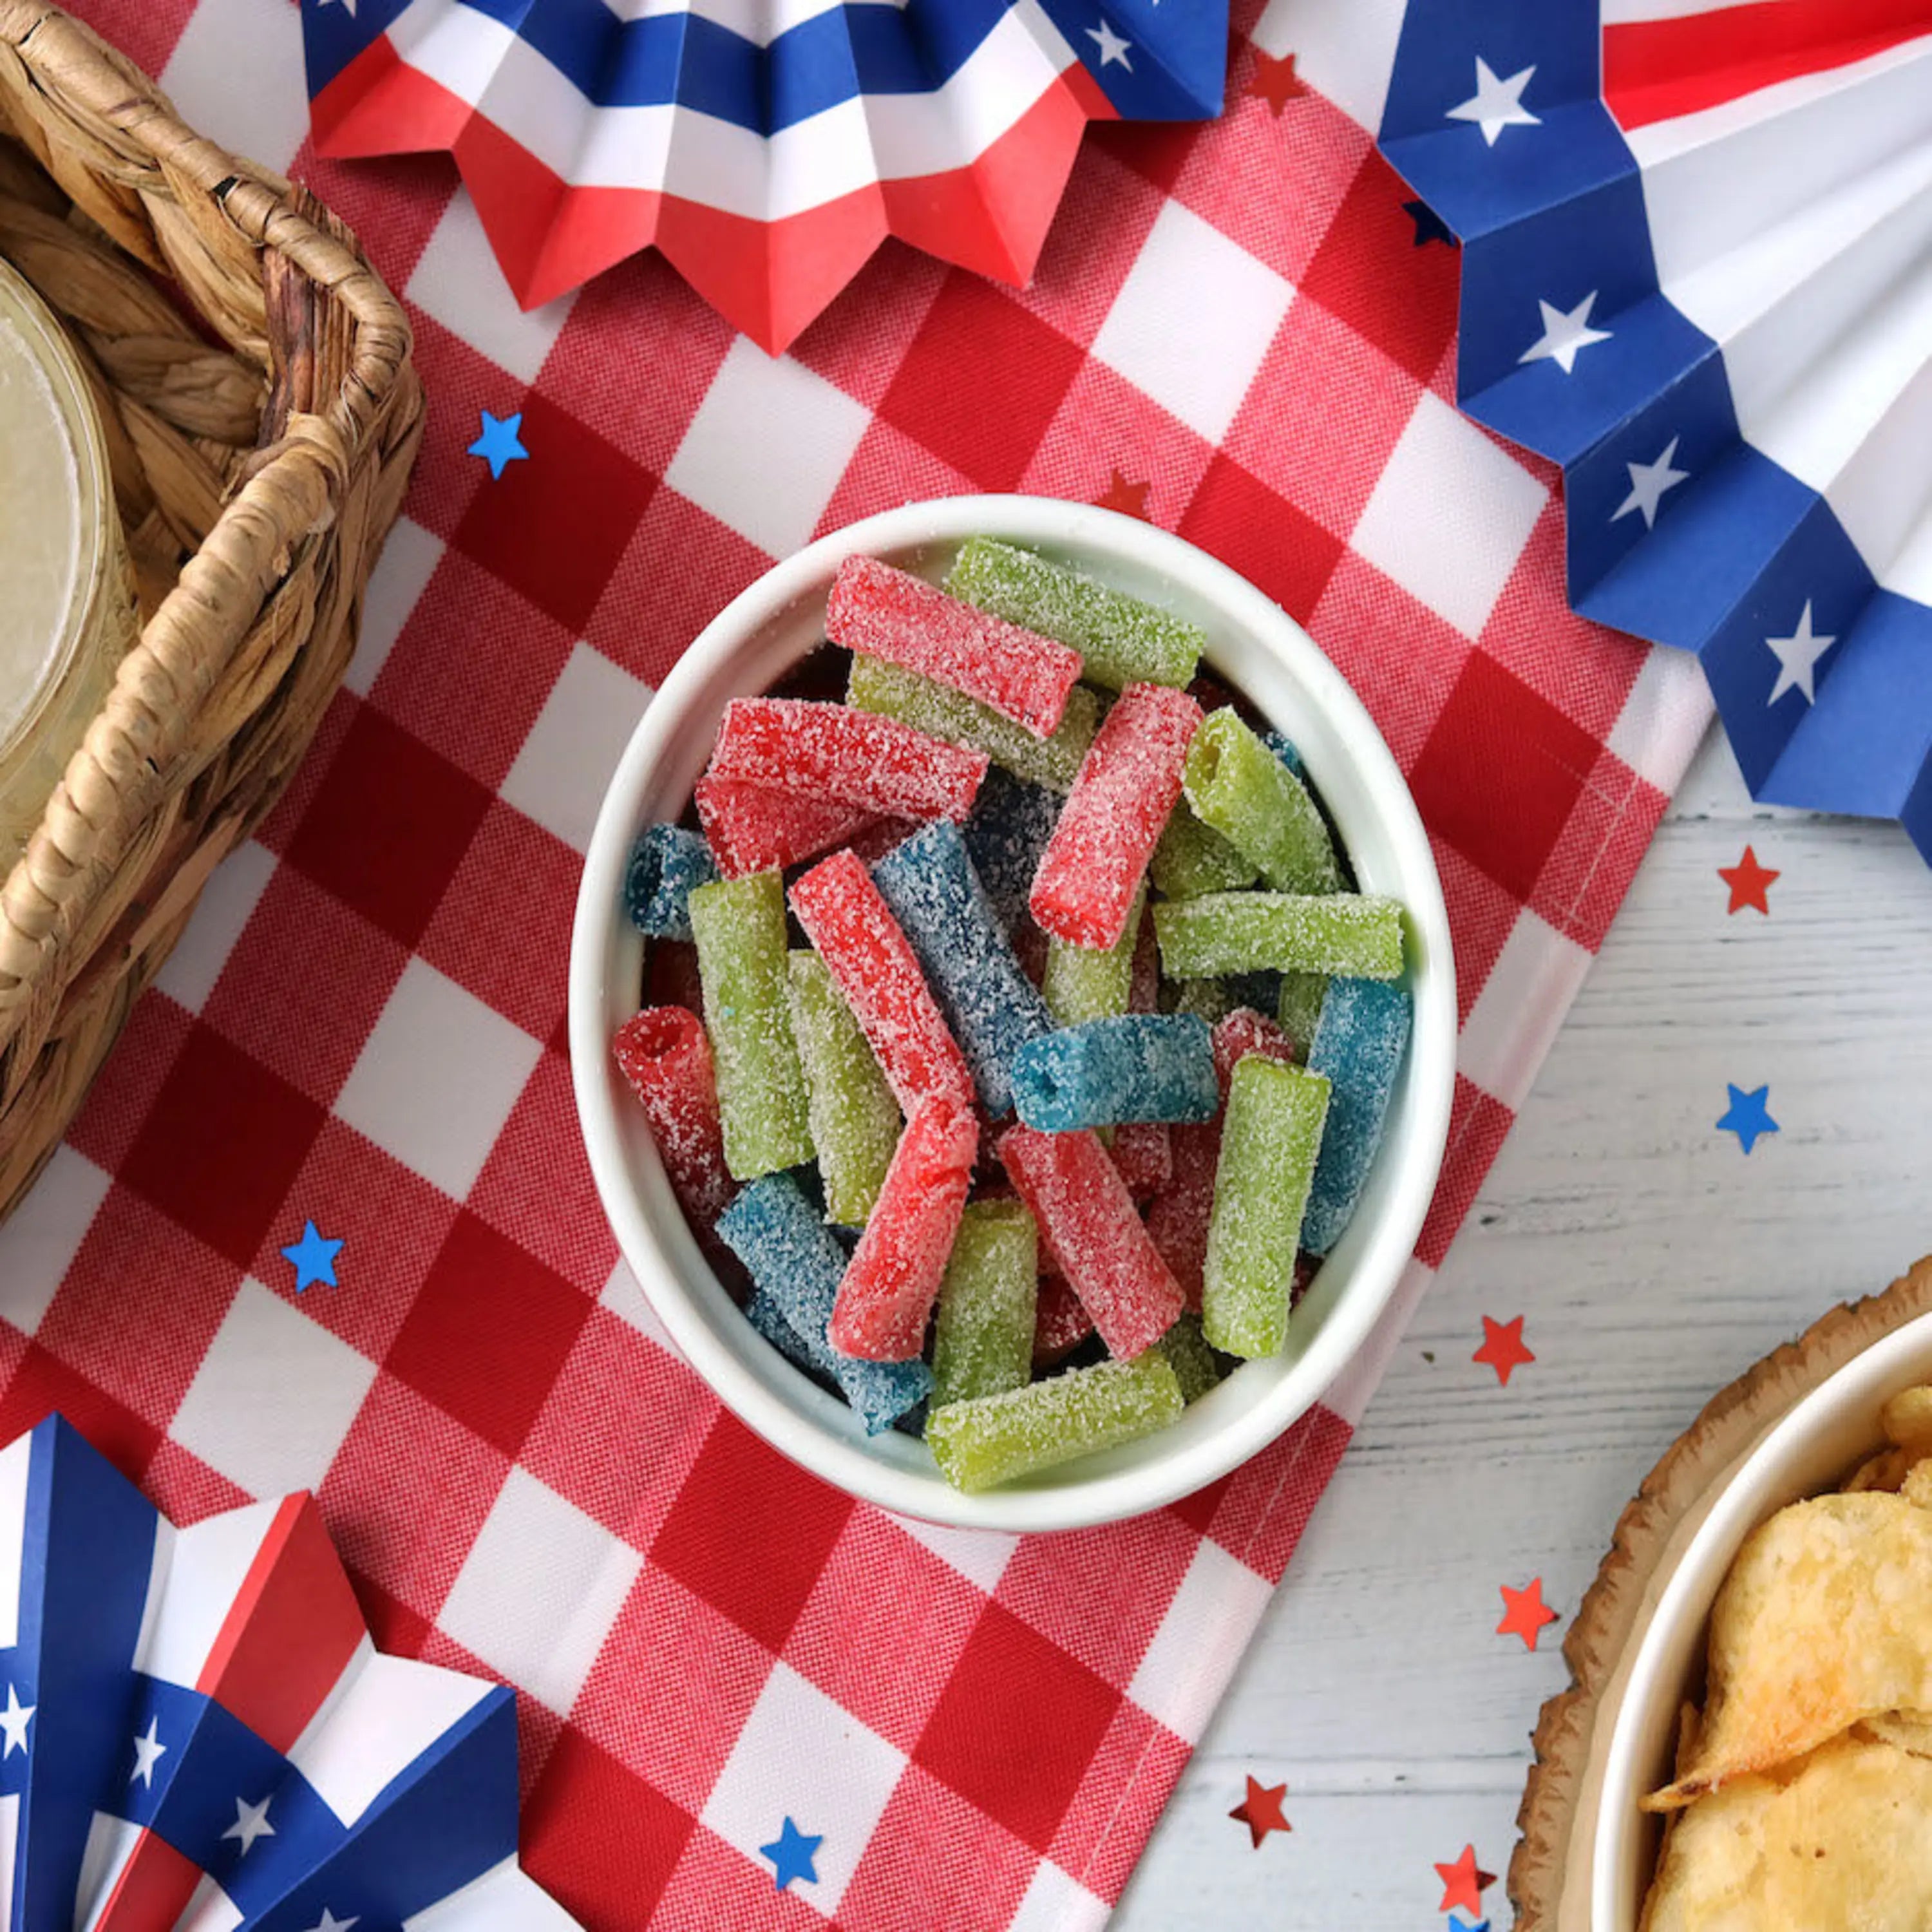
[256, 482]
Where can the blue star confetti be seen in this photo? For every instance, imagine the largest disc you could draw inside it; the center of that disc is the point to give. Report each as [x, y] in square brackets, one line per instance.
[791, 1854]
[498, 445]
[1429, 226]
[1747, 1117]
[1463, 1925]
[313, 1258]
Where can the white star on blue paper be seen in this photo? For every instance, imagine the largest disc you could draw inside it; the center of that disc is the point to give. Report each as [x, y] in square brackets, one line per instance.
[347, 6]
[251, 1822]
[1496, 104]
[148, 1751]
[1797, 657]
[328, 1922]
[1112, 47]
[1564, 334]
[1649, 482]
[313, 1258]
[13, 1723]
[498, 445]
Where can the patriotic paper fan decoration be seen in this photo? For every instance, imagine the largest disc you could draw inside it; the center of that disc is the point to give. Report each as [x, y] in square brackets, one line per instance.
[766, 147]
[195, 1730]
[1697, 271]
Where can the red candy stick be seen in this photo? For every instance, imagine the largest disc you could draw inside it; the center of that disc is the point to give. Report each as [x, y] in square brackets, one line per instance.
[663, 1053]
[754, 828]
[1082, 1206]
[1242, 1032]
[872, 962]
[889, 1287]
[1060, 1324]
[1129, 781]
[1142, 1152]
[902, 620]
[850, 757]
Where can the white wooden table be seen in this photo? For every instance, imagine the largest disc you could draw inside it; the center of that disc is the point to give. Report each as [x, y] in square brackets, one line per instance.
[1654, 1261]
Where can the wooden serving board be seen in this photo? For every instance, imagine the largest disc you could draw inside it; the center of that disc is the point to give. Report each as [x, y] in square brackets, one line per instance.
[1549, 1873]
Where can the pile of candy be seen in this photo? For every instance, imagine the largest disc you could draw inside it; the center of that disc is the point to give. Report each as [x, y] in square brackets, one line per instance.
[1038, 882]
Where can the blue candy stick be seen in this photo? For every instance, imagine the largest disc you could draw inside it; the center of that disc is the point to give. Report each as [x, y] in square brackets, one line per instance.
[668, 863]
[994, 1009]
[796, 1262]
[1282, 746]
[1010, 823]
[1137, 1067]
[1358, 1044]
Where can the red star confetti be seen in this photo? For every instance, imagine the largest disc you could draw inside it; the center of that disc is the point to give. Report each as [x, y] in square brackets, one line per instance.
[1525, 1613]
[1126, 496]
[1749, 882]
[1261, 1810]
[1503, 1347]
[1464, 1882]
[1275, 81]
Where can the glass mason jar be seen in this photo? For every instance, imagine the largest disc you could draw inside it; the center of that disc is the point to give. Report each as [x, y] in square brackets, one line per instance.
[67, 615]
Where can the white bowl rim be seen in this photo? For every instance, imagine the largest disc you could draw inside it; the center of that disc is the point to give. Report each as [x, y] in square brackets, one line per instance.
[1114, 1496]
[1699, 1574]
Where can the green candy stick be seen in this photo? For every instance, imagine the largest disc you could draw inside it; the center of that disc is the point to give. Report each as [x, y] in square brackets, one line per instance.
[1087, 983]
[940, 712]
[1359, 936]
[1208, 998]
[739, 926]
[1271, 1135]
[1190, 1357]
[854, 1120]
[1121, 640]
[1239, 788]
[1192, 859]
[1298, 1009]
[983, 1343]
[996, 1438]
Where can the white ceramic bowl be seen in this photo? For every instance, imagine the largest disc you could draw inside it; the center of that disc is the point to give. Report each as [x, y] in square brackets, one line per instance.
[1253, 645]
[1807, 1452]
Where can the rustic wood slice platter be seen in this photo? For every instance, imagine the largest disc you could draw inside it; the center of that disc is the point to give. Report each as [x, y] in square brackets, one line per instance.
[1549, 1873]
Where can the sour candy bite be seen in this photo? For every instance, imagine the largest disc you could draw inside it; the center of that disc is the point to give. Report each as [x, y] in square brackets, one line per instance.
[1121, 640]
[1239, 788]
[1298, 1008]
[850, 757]
[1087, 982]
[997, 1438]
[1249, 932]
[1135, 1067]
[662, 1052]
[982, 1341]
[740, 929]
[755, 828]
[1192, 858]
[1011, 823]
[930, 887]
[873, 963]
[665, 864]
[797, 1263]
[1088, 1218]
[1060, 1320]
[896, 618]
[1270, 1136]
[854, 1118]
[1358, 1045]
[1097, 857]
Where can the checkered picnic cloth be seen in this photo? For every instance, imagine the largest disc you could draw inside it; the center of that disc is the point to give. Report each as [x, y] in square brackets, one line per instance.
[364, 1026]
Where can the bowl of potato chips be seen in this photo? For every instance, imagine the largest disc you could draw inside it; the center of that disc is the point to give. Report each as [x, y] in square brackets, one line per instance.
[1770, 1763]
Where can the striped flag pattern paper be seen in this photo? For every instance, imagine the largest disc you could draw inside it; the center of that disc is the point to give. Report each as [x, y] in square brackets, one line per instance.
[766, 148]
[1697, 271]
[195, 1730]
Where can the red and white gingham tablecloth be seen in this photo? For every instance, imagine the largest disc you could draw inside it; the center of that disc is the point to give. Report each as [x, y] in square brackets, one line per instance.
[365, 1025]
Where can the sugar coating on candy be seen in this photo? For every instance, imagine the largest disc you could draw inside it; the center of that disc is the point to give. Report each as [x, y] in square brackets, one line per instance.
[1242, 1032]
[1121, 640]
[1061, 1321]
[756, 828]
[854, 1120]
[998, 1437]
[1191, 1359]
[1297, 1009]
[1208, 998]
[1010, 823]
[1133, 1066]
[875, 966]
[1053, 761]
[1097, 857]
[1239, 788]
[1192, 858]
[740, 928]
[1143, 1152]
[1144, 979]
[1270, 1136]
[895, 618]
[664, 1055]
[1358, 1045]
[1177, 1216]
[1357, 936]
[1283, 747]
[983, 1338]
[1087, 982]
[1088, 1221]
[666, 862]
[851, 757]
[797, 1262]
[929, 886]
[893, 1280]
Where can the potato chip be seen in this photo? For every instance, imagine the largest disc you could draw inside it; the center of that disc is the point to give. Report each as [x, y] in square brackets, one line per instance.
[1825, 1618]
[1917, 1487]
[1835, 1843]
[1907, 1418]
[1885, 1471]
[1909, 1730]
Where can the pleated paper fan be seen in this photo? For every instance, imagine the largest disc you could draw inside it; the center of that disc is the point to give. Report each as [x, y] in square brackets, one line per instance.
[766, 147]
[1697, 271]
[196, 1730]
